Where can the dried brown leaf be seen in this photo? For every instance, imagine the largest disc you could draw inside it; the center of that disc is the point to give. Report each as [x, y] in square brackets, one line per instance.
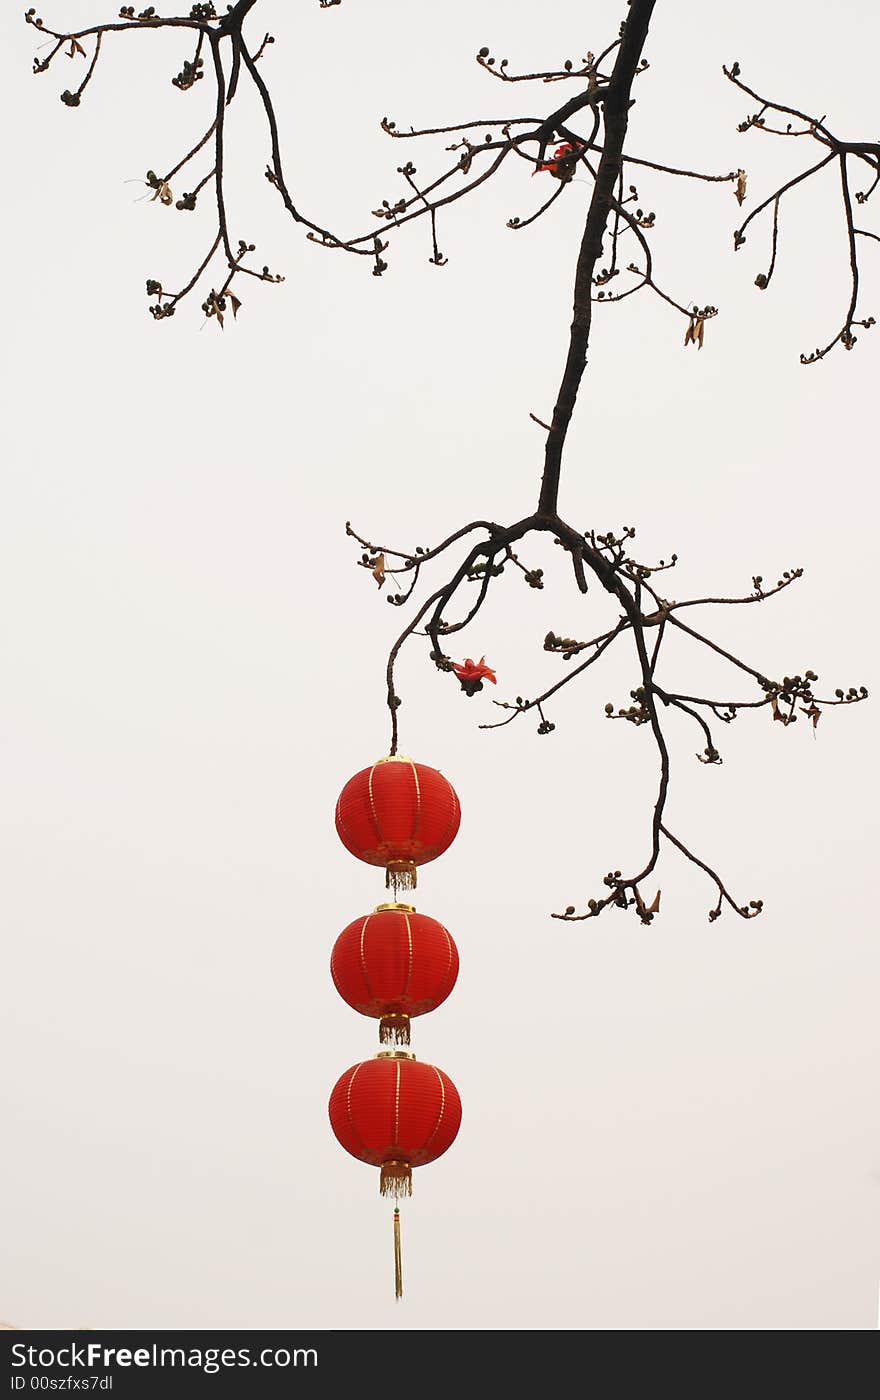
[379, 569]
[777, 713]
[694, 333]
[813, 713]
[740, 190]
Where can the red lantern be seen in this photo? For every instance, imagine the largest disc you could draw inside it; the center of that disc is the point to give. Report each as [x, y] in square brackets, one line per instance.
[398, 814]
[394, 964]
[395, 1112]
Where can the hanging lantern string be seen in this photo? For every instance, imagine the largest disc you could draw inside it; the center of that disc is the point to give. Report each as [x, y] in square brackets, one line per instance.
[398, 1265]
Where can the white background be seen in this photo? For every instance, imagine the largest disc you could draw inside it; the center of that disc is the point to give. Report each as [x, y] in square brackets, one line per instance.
[664, 1128]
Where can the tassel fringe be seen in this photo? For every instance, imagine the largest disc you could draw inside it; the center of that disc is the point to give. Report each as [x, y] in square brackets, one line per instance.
[400, 875]
[395, 1180]
[398, 1263]
[394, 1029]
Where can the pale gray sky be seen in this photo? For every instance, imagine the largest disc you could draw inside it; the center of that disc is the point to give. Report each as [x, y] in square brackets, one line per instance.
[664, 1128]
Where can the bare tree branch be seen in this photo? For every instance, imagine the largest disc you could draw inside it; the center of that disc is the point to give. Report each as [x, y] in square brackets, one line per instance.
[480, 552]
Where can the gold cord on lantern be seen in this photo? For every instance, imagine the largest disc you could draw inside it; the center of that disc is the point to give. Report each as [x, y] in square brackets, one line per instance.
[398, 1265]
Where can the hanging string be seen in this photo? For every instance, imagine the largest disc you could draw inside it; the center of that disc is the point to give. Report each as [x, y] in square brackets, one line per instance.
[398, 1265]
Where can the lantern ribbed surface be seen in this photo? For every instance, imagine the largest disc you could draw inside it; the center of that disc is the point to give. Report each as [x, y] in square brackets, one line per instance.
[397, 812]
[394, 963]
[395, 1111]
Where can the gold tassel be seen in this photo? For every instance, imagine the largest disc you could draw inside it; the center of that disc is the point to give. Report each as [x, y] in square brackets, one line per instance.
[395, 1179]
[398, 1264]
[400, 875]
[394, 1029]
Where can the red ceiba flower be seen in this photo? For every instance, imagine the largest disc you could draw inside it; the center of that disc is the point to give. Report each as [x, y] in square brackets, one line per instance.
[475, 671]
[562, 164]
[471, 674]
